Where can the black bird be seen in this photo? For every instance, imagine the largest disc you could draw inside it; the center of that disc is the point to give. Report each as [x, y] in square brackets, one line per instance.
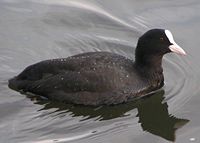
[97, 78]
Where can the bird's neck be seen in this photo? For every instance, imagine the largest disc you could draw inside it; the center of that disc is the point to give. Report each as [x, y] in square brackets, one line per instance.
[150, 61]
[151, 68]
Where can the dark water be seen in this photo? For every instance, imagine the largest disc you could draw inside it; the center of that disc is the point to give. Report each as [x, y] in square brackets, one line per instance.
[35, 30]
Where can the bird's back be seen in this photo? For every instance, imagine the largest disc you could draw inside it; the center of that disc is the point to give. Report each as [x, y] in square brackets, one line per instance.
[99, 75]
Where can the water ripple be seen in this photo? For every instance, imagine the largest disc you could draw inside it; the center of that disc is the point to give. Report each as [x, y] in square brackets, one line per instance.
[180, 83]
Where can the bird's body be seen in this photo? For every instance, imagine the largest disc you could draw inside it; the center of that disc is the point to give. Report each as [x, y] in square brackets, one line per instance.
[93, 78]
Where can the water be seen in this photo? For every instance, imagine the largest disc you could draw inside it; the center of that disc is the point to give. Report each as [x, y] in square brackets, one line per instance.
[35, 30]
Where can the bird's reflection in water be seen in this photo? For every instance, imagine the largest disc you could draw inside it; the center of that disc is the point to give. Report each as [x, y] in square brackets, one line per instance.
[154, 117]
[152, 113]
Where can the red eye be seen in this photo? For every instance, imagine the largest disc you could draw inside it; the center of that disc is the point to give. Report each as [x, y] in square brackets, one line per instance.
[161, 38]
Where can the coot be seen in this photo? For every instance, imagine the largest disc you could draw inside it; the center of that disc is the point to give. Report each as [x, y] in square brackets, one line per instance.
[97, 78]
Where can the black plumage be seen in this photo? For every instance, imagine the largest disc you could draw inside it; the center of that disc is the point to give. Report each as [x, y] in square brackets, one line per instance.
[97, 78]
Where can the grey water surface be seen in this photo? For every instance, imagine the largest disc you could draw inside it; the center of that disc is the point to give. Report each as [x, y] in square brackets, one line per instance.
[35, 30]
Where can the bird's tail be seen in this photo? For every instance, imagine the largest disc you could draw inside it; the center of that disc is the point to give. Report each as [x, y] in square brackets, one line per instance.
[17, 84]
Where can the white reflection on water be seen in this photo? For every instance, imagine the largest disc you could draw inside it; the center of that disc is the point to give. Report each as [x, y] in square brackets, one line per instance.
[60, 140]
[87, 6]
